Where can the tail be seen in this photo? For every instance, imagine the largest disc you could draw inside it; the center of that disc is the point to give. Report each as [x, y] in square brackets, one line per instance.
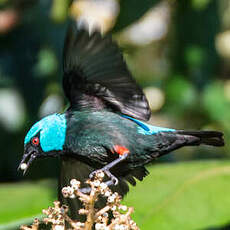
[74, 169]
[213, 138]
[166, 142]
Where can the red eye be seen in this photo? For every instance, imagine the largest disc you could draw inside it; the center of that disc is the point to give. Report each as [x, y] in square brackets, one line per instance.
[35, 141]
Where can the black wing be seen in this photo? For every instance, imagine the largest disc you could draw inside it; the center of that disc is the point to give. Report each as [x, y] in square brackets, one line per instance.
[74, 169]
[96, 75]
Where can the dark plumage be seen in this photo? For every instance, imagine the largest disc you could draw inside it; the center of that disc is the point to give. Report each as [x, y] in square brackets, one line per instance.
[96, 76]
[101, 129]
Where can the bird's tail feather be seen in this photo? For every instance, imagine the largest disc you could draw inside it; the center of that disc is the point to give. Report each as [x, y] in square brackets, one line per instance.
[74, 169]
[213, 138]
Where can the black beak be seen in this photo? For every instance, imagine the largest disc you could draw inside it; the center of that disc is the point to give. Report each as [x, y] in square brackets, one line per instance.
[29, 157]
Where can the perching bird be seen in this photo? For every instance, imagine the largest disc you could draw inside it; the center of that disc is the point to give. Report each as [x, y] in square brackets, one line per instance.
[102, 127]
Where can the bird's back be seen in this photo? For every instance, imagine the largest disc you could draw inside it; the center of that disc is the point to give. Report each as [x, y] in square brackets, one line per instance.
[93, 136]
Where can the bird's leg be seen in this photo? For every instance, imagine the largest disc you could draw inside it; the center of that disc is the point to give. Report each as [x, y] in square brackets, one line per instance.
[106, 169]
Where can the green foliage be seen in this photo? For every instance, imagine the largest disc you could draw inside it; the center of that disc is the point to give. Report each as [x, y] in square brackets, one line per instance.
[2, 2]
[174, 196]
[216, 103]
[24, 200]
[200, 4]
[59, 11]
[47, 63]
[194, 56]
[179, 92]
[182, 196]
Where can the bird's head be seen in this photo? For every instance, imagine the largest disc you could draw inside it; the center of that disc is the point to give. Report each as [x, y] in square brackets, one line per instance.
[45, 138]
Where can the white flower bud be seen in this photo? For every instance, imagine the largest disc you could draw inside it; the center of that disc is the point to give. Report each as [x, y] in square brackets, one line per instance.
[99, 218]
[111, 199]
[70, 190]
[75, 183]
[59, 227]
[100, 174]
[107, 193]
[72, 196]
[64, 192]
[99, 226]
[117, 227]
[123, 227]
[23, 166]
[79, 224]
[96, 183]
[103, 185]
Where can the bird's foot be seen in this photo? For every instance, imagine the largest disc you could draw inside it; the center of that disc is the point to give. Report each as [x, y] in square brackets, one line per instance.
[107, 172]
[112, 177]
[87, 190]
[106, 168]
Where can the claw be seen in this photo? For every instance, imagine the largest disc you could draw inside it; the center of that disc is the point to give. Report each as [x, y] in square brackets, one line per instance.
[92, 174]
[111, 176]
[106, 168]
[87, 190]
[107, 172]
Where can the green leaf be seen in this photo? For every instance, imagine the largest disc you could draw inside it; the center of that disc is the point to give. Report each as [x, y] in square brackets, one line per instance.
[194, 56]
[21, 202]
[47, 63]
[59, 10]
[200, 4]
[180, 94]
[182, 196]
[216, 103]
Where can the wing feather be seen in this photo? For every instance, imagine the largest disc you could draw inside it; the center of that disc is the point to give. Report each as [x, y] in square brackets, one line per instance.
[96, 75]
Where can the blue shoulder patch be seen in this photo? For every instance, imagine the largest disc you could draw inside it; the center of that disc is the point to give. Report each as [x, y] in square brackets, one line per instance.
[52, 132]
[146, 129]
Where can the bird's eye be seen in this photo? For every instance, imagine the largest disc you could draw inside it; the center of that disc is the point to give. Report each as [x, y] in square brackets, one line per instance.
[35, 141]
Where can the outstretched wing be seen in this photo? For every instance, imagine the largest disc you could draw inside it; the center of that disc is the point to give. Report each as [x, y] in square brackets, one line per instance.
[96, 75]
[71, 168]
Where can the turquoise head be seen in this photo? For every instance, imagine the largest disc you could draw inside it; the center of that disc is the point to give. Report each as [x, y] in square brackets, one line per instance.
[45, 138]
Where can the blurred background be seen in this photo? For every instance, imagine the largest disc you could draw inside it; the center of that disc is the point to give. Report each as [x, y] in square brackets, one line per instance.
[178, 51]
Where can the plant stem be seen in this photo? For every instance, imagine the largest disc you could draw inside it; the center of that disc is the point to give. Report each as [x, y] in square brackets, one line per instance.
[91, 214]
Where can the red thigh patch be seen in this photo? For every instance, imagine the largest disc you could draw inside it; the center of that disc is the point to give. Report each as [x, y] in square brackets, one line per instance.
[121, 150]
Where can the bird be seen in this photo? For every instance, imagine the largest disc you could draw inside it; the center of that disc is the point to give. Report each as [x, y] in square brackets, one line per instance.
[105, 125]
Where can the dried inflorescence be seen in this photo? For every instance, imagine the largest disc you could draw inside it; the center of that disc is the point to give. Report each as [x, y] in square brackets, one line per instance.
[58, 217]
[34, 226]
